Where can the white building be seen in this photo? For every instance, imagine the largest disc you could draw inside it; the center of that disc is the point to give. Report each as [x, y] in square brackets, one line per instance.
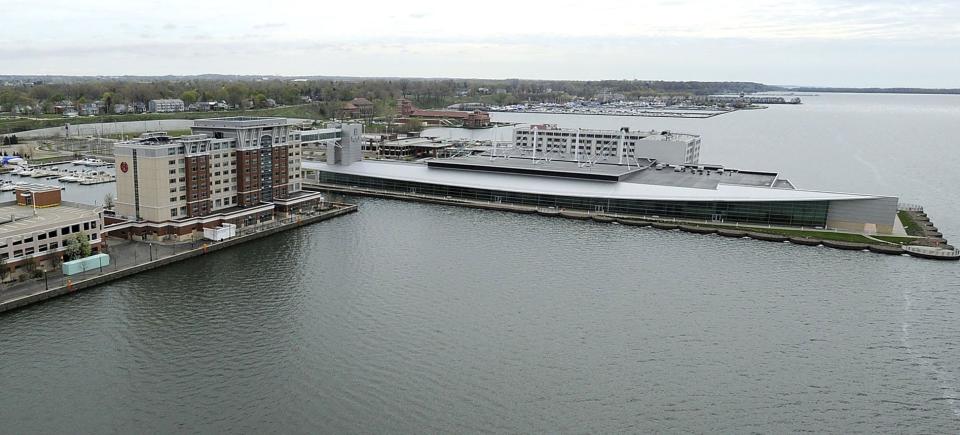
[166, 105]
[607, 146]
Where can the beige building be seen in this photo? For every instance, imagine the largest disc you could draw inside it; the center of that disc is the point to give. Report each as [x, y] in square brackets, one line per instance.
[230, 167]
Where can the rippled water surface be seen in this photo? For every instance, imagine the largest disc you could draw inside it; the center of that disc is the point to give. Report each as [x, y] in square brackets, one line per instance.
[408, 317]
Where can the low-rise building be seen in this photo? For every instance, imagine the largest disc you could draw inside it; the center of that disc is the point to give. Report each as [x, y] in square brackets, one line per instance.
[36, 228]
[166, 105]
[607, 146]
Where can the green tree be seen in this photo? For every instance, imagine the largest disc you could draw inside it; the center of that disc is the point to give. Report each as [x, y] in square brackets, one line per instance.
[259, 101]
[78, 247]
[107, 99]
[236, 92]
[189, 97]
[108, 200]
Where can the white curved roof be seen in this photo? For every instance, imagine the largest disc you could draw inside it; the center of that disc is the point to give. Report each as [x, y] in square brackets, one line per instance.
[571, 187]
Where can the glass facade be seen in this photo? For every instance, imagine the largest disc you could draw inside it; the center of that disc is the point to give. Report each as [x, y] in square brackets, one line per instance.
[786, 213]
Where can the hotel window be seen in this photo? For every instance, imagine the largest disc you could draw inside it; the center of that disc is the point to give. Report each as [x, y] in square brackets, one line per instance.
[52, 234]
[18, 253]
[173, 212]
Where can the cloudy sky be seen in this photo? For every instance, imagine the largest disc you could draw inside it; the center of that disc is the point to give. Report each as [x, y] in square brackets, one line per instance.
[806, 42]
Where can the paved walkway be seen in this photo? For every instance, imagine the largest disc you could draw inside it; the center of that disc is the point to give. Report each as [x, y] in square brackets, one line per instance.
[128, 253]
[123, 253]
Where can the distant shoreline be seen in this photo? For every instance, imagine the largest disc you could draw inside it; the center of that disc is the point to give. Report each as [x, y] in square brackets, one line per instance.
[916, 91]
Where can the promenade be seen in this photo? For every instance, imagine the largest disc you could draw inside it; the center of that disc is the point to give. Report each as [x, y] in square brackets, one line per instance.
[129, 257]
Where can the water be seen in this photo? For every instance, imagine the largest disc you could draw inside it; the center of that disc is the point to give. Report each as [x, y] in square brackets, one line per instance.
[409, 317]
[75, 192]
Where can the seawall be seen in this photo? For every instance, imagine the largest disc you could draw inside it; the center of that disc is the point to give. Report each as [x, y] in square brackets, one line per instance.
[726, 230]
[42, 295]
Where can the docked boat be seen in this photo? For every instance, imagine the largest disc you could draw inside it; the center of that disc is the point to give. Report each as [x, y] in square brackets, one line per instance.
[90, 161]
[8, 186]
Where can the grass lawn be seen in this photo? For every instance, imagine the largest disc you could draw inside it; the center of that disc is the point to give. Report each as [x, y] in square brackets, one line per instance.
[912, 227]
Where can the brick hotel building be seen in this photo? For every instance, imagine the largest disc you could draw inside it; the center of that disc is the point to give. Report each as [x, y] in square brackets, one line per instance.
[239, 170]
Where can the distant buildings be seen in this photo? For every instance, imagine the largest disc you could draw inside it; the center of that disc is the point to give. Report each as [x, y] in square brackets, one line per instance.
[208, 106]
[357, 108]
[474, 119]
[166, 105]
[37, 227]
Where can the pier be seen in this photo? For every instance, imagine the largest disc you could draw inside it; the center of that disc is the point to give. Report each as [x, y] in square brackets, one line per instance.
[153, 255]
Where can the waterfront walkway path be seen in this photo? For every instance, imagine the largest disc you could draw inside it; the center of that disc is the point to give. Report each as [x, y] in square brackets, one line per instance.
[129, 257]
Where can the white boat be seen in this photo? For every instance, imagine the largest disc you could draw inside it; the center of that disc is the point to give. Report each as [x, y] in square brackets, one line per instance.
[37, 173]
[10, 186]
[90, 161]
[69, 179]
[26, 172]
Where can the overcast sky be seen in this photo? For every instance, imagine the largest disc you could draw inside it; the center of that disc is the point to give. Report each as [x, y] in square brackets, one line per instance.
[807, 42]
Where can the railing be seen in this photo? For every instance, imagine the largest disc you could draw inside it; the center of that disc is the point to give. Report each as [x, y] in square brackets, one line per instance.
[909, 207]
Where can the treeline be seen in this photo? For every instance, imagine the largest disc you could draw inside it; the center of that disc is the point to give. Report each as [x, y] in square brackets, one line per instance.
[427, 93]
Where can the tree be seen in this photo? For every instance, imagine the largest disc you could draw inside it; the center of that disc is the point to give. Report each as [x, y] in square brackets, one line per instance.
[189, 97]
[14, 140]
[78, 247]
[108, 200]
[107, 99]
[259, 101]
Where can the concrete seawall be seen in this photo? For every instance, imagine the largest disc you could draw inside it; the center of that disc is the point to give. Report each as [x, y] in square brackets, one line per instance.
[21, 301]
[740, 231]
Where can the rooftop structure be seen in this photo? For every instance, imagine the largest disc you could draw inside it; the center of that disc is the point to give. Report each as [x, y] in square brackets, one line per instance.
[553, 168]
